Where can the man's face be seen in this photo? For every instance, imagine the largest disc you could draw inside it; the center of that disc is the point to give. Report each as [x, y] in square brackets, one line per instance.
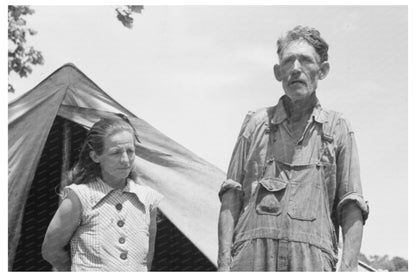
[118, 155]
[299, 70]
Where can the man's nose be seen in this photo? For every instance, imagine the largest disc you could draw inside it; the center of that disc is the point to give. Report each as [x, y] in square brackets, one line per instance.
[296, 66]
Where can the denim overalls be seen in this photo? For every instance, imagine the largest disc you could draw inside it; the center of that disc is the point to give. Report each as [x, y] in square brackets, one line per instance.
[290, 204]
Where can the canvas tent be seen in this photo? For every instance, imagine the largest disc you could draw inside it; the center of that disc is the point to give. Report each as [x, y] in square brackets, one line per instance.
[46, 128]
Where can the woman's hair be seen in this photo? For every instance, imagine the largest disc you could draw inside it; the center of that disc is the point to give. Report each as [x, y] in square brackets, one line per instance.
[311, 35]
[86, 170]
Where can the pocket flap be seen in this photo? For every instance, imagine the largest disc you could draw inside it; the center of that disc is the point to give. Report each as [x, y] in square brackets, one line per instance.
[272, 184]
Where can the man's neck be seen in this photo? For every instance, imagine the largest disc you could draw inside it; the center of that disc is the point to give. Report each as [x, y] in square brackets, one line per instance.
[299, 109]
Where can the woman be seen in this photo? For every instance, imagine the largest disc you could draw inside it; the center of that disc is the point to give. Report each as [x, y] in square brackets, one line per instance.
[108, 219]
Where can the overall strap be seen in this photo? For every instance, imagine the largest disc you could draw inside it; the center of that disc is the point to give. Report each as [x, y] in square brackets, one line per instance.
[270, 133]
[328, 128]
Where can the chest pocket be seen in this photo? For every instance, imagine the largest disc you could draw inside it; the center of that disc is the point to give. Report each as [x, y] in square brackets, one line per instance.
[269, 196]
[304, 201]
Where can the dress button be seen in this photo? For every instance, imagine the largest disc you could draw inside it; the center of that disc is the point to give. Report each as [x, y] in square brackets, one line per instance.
[123, 256]
[120, 223]
[121, 240]
[119, 206]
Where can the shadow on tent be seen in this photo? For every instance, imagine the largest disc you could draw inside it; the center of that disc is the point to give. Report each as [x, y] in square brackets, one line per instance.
[174, 252]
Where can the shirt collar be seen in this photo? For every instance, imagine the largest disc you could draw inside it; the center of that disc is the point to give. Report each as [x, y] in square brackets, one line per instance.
[100, 190]
[318, 114]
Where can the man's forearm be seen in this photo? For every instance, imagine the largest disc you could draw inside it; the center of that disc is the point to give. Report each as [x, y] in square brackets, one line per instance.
[352, 233]
[230, 210]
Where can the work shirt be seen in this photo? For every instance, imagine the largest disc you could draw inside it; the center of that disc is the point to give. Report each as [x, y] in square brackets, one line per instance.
[291, 158]
[113, 234]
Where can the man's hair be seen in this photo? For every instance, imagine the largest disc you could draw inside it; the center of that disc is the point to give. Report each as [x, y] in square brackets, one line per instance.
[310, 35]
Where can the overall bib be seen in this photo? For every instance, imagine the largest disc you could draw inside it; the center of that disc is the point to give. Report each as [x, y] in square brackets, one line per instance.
[287, 224]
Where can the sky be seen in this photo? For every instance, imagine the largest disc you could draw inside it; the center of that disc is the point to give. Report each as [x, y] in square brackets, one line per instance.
[194, 72]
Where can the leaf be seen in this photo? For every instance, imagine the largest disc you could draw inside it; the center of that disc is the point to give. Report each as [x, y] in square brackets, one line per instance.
[10, 88]
[124, 14]
[136, 9]
[125, 19]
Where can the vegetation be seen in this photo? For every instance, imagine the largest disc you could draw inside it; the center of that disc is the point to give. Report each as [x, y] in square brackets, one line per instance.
[21, 56]
[384, 263]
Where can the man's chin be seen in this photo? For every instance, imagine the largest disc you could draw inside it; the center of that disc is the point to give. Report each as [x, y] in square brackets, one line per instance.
[298, 94]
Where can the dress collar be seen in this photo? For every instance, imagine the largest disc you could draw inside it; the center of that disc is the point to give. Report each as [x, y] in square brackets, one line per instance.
[100, 190]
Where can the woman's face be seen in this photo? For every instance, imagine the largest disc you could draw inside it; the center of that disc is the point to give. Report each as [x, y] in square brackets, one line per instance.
[116, 160]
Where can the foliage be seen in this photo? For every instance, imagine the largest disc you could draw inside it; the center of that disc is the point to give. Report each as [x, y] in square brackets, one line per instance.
[124, 14]
[20, 55]
[384, 263]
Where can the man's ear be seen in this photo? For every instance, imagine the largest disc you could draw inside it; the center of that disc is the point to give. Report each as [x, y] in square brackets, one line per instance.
[277, 72]
[94, 156]
[324, 70]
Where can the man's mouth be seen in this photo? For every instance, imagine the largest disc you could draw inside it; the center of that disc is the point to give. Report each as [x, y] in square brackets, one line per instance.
[298, 82]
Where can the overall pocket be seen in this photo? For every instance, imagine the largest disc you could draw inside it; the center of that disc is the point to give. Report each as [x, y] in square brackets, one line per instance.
[304, 201]
[269, 196]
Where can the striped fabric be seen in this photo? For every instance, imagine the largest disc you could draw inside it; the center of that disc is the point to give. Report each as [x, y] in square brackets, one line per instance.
[113, 234]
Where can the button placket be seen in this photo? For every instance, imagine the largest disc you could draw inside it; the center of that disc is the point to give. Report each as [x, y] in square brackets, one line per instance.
[121, 237]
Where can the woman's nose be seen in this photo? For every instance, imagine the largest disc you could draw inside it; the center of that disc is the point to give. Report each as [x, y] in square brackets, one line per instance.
[124, 158]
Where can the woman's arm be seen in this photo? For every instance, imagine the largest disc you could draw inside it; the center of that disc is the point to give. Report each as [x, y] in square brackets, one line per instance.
[59, 232]
[152, 238]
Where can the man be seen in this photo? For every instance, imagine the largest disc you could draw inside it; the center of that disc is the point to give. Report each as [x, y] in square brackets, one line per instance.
[294, 176]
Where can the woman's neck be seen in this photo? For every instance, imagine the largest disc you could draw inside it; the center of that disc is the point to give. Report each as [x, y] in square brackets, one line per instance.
[114, 183]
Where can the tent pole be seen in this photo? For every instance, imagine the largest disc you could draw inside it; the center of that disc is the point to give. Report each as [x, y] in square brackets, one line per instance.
[66, 154]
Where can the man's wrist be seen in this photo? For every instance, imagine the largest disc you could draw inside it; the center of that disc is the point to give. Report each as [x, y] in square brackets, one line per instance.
[348, 265]
[224, 260]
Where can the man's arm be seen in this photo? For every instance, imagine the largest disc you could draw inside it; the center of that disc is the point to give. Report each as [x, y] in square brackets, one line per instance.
[231, 198]
[352, 233]
[230, 210]
[352, 210]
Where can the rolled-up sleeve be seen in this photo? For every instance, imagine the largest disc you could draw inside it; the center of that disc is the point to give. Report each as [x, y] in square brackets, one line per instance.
[236, 172]
[349, 187]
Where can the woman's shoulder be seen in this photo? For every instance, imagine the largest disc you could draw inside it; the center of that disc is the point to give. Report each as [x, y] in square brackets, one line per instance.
[145, 193]
[82, 191]
[78, 188]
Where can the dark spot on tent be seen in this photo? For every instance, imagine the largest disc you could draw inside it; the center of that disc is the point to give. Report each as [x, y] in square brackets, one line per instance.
[43, 196]
[173, 250]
